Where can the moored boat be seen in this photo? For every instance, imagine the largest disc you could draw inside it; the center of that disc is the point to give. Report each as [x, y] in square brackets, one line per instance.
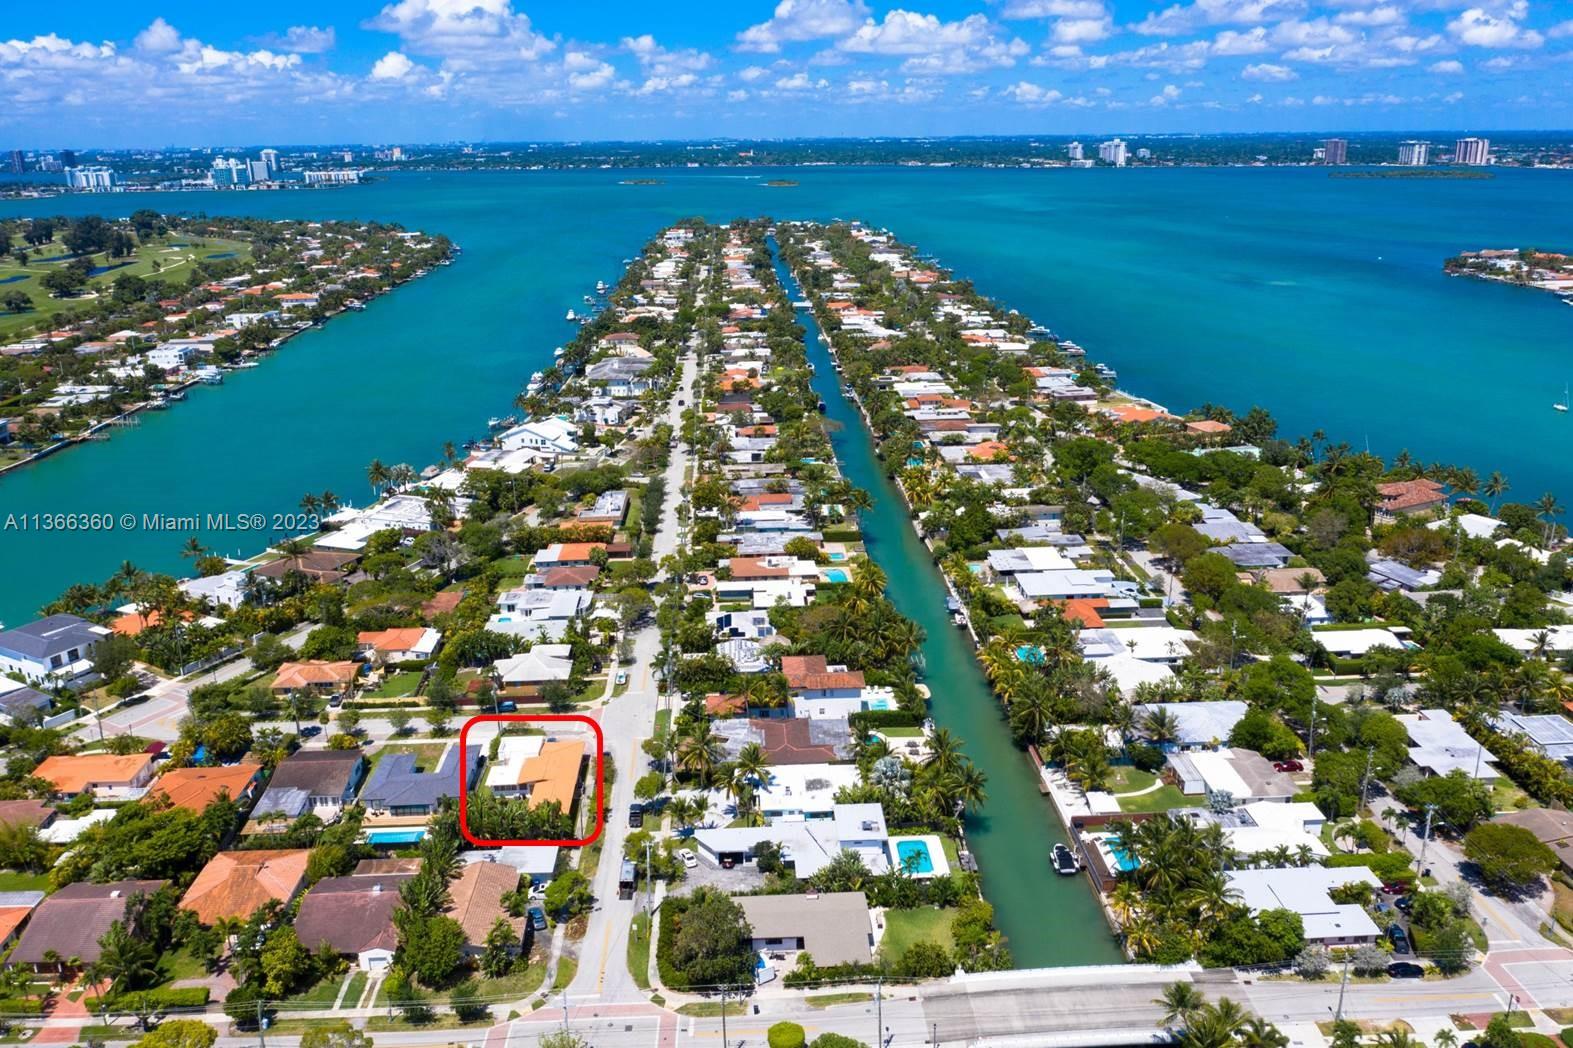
[1065, 863]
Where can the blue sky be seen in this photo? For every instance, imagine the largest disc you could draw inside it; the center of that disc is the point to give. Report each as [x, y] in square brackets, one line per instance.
[171, 73]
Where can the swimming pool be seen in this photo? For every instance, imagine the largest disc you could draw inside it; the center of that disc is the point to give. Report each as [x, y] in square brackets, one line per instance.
[1123, 860]
[1030, 654]
[913, 855]
[835, 575]
[387, 837]
[836, 555]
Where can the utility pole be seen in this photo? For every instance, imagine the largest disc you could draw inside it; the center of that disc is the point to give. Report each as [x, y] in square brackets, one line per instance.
[1339, 1014]
[649, 883]
[933, 1035]
[261, 1022]
[723, 1016]
[563, 996]
[1425, 837]
[1365, 780]
[879, 1010]
[1310, 744]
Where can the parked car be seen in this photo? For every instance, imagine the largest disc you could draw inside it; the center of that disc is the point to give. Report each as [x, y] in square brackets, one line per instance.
[1398, 937]
[1405, 970]
[537, 918]
[507, 706]
[622, 677]
[1394, 888]
[1403, 902]
[635, 816]
[1288, 766]
[310, 731]
[690, 860]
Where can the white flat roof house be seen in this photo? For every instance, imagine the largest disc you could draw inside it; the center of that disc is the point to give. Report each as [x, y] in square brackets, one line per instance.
[1305, 890]
[1351, 644]
[226, 590]
[1198, 723]
[809, 844]
[1439, 744]
[554, 435]
[804, 790]
[542, 663]
[1163, 644]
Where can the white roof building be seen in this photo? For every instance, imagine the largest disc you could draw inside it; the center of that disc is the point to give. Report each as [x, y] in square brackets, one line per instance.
[1439, 744]
[555, 435]
[804, 790]
[1198, 723]
[1351, 644]
[1163, 644]
[542, 663]
[1306, 890]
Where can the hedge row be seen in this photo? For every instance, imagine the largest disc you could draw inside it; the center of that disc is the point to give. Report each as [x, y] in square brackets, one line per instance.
[160, 997]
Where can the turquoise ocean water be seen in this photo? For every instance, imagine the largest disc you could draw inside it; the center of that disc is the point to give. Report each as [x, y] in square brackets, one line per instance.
[1321, 299]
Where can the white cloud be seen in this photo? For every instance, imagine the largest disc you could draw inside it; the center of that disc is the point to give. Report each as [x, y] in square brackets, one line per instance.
[663, 84]
[934, 46]
[1164, 97]
[1015, 9]
[1478, 27]
[1560, 30]
[659, 61]
[800, 81]
[302, 39]
[158, 38]
[1449, 66]
[1267, 71]
[798, 20]
[1186, 18]
[1234, 42]
[472, 33]
[1030, 94]
[753, 73]
[395, 65]
[738, 95]
[1318, 32]
[1386, 14]
[586, 72]
[1082, 30]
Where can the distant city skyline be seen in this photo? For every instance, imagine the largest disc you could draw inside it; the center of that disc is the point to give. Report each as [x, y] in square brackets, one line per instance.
[184, 73]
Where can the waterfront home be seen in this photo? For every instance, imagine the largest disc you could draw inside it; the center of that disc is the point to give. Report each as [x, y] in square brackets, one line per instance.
[538, 614]
[1267, 826]
[105, 775]
[398, 792]
[410, 515]
[527, 671]
[195, 788]
[1548, 734]
[225, 590]
[475, 901]
[530, 767]
[1196, 724]
[56, 649]
[832, 927]
[808, 844]
[811, 677]
[65, 929]
[1250, 555]
[353, 917]
[755, 569]
[1004, 564]
[324, 566]
[316, 677]
[1409, 497]
[234, 884]
[318, 781]
[1032, 587]
[839, 708]
[1307, 891]
[1243, 775]
[554, 436]
[1473, 525]
[765, 593]
[402, 644]
[752, 625]
[1438, 745]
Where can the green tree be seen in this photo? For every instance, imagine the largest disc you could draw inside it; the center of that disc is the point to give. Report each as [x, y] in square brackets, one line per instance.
[179, 1033]
[286, 963]
[502, 948]
[569, 895]
[1509, 857]
[335, 1035]
[434, 949]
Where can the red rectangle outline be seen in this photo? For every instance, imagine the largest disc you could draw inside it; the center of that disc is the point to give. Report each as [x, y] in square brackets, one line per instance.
[600, 778]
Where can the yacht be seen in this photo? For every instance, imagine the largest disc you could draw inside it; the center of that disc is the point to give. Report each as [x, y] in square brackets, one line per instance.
[1562, 405]
[571, 317]
[536, 381]
[600, 287]
[1065, 861]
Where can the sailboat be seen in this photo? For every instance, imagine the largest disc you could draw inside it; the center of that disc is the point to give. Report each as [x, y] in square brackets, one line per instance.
[1562, 405]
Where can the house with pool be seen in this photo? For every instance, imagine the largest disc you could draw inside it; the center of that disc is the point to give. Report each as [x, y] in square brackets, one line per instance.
[810, 844]
[401, 796]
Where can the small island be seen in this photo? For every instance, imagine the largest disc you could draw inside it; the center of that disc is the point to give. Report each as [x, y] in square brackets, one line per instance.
[1526, 267]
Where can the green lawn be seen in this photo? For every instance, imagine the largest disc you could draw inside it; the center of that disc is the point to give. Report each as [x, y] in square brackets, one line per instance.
[427, 754]
[512, 567]
[321, 995]
[639, 950]
[519, 983]
[711, 1009]
[396, 685]
[180, 964]
[567, 967]
[905, 927]
[357, 987]
[1161, 799]
[172, 264]
[830, 1000]
[1124, 778]
[12, 881]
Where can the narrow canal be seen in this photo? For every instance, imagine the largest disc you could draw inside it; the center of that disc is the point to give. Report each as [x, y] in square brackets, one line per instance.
[1048, 919]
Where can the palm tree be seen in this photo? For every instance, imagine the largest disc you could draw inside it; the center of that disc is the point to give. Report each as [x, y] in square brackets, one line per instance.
[944, 752]
[1179, 1001]
[194, 549]
[1161, 725]
[1396, 1039]
[1548, 508]
[700, 752]
[1496, 487]
[968, 786]
[127, 962]
[310, 504]
[377, 476]
[1259, 1033]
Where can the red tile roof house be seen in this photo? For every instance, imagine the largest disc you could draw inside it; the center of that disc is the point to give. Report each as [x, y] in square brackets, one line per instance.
[317, 677]
[64, 932]
[810, 677]
[1404, 497]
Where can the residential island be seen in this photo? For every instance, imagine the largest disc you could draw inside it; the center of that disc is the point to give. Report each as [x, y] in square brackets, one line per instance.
[1292, 706]
[1525, 267]
[105, 318]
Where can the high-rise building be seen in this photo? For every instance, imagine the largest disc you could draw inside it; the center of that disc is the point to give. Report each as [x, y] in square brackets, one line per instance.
[17, 165]
[1073, 151]
[90, 178]
[270, 157]
[1335, 151]
[68, 158]
[1472, 151]
[332, 178]
[258, 171]
[1144, 154]
[227, 171]
[1112, 152]
[1414, 154]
